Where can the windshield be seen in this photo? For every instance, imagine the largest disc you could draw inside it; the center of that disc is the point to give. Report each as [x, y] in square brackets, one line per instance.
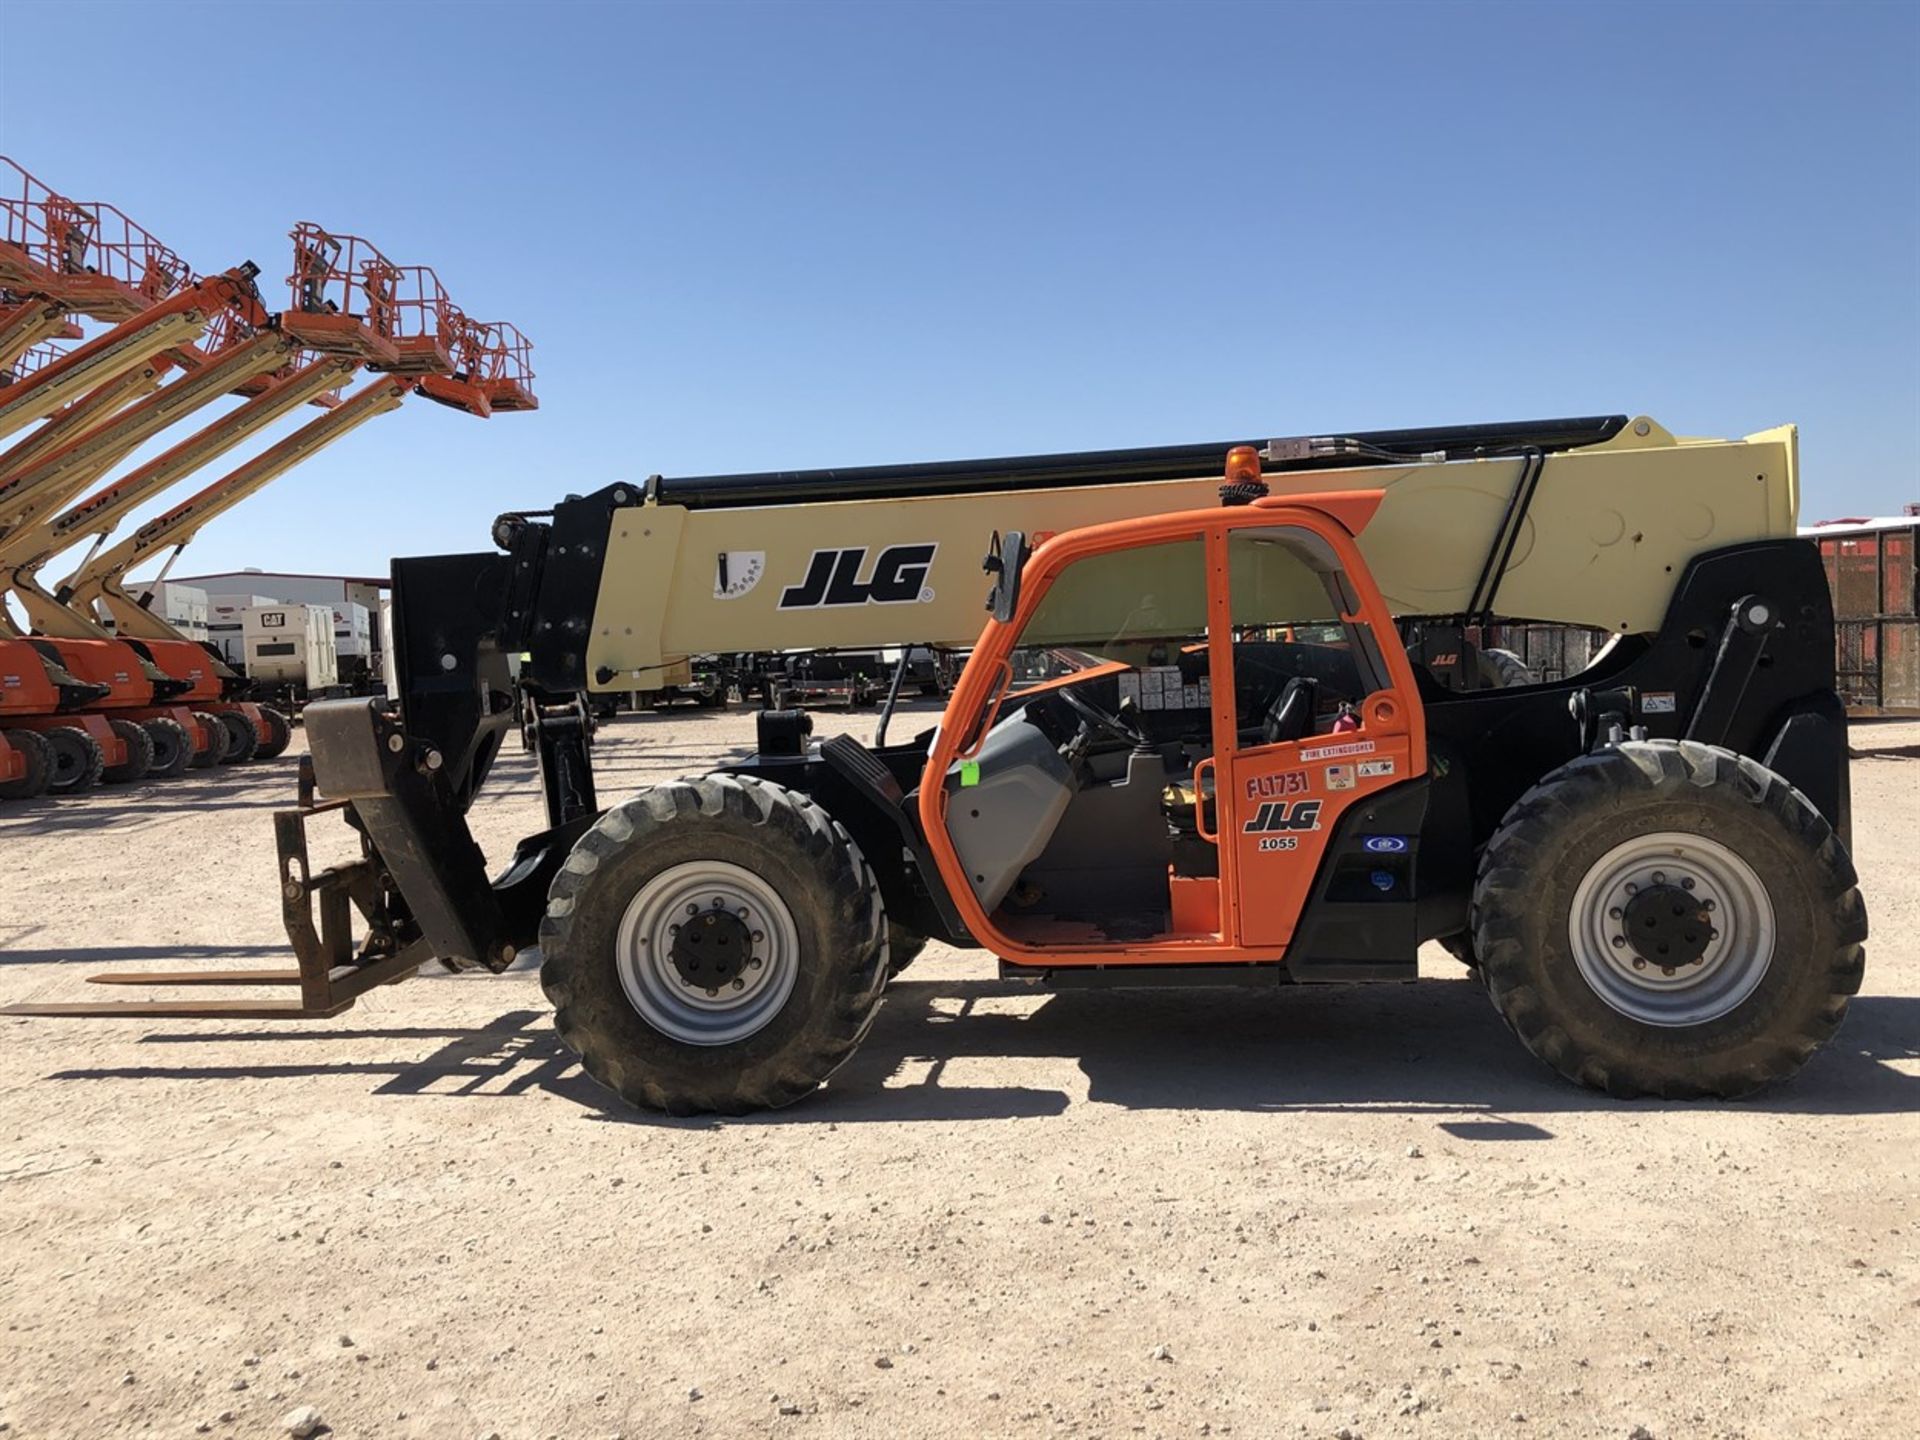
[1127, 609]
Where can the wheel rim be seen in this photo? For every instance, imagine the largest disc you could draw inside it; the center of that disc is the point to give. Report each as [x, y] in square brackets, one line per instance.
[68, 762]
[1672, 929]
[731, 909]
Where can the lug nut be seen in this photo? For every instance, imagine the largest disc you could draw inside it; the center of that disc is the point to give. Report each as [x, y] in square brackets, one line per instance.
[693, 909]
[758, 936]
[739, 984]
[754, 963]
[712, 993]
[1639, 964]
[1686, 882]
[1666, 970]
[1706, 904]
[1659, 877]
[1615, 913]
[1619, 942]
[1632, 889]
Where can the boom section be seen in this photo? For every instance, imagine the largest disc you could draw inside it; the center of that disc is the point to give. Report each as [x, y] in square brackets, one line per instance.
[633, 578]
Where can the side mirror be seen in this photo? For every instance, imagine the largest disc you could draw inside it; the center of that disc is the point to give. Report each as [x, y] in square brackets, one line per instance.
[1006, 558]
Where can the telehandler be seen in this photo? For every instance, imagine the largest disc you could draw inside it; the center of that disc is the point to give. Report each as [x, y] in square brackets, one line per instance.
[1190, 747]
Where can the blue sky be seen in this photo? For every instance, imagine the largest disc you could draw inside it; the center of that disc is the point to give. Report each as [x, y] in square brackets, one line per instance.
[753, 237]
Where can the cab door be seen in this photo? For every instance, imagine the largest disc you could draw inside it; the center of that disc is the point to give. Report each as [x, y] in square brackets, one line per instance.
[1324, 713]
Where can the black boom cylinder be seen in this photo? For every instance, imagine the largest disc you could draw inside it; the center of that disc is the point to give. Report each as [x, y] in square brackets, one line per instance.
[1121, 467]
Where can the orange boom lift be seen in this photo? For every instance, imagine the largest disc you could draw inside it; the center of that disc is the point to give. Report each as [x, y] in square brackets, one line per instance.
[351, 307]
[59, 259]
[495, 375]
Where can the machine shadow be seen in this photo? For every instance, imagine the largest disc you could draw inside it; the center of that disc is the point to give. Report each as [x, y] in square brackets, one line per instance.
[1436, 1049]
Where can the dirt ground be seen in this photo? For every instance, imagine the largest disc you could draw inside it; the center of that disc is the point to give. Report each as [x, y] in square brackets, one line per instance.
[1321, 1212]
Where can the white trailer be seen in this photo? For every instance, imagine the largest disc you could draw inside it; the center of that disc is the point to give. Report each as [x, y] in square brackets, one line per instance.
[291, 645]
[388, 670]
[353, 642]
[343, 593]
[185, 608]
[224, 630]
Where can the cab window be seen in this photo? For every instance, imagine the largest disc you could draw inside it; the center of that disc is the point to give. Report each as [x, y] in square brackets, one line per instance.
[1302, 657]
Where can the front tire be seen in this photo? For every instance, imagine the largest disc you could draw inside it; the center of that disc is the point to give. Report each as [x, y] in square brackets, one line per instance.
[172, 748]
[725, 879]
[38, 759]
[903, 948]
[276, 733]
[139, 757]
[243, 737]
[1668, 918]
[1460, 947]
[77, 760]
[210, 745]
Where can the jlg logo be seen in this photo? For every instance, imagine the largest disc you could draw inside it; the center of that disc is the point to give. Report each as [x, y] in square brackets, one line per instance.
[1284, 815]
[899, 577]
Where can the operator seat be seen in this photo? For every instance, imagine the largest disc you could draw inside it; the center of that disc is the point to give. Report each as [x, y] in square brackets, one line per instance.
[1290, 717]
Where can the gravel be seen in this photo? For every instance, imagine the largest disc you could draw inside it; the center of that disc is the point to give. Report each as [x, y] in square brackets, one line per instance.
[1244, 1153]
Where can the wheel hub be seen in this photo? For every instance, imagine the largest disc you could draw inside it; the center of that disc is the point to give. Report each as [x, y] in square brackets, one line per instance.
[1671, 929]
[707, 952]
[1667, 925]
[712, 950]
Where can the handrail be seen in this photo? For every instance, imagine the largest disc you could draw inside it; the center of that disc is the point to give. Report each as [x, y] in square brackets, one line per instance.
[501, 361]
[341, 279]
[86, 253]
[35, 357]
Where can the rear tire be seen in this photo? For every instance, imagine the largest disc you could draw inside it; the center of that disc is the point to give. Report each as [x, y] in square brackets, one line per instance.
[765, 1037]
[139, 758]
[33, 750]
[1502, 669]
[77, 760]
[278, 734]
[1753, 927]
[214, 734]
[243, 737]
[172, 748]
[1460, 947]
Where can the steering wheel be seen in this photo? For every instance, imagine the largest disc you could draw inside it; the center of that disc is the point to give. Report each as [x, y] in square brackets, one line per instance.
[1099, 719]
